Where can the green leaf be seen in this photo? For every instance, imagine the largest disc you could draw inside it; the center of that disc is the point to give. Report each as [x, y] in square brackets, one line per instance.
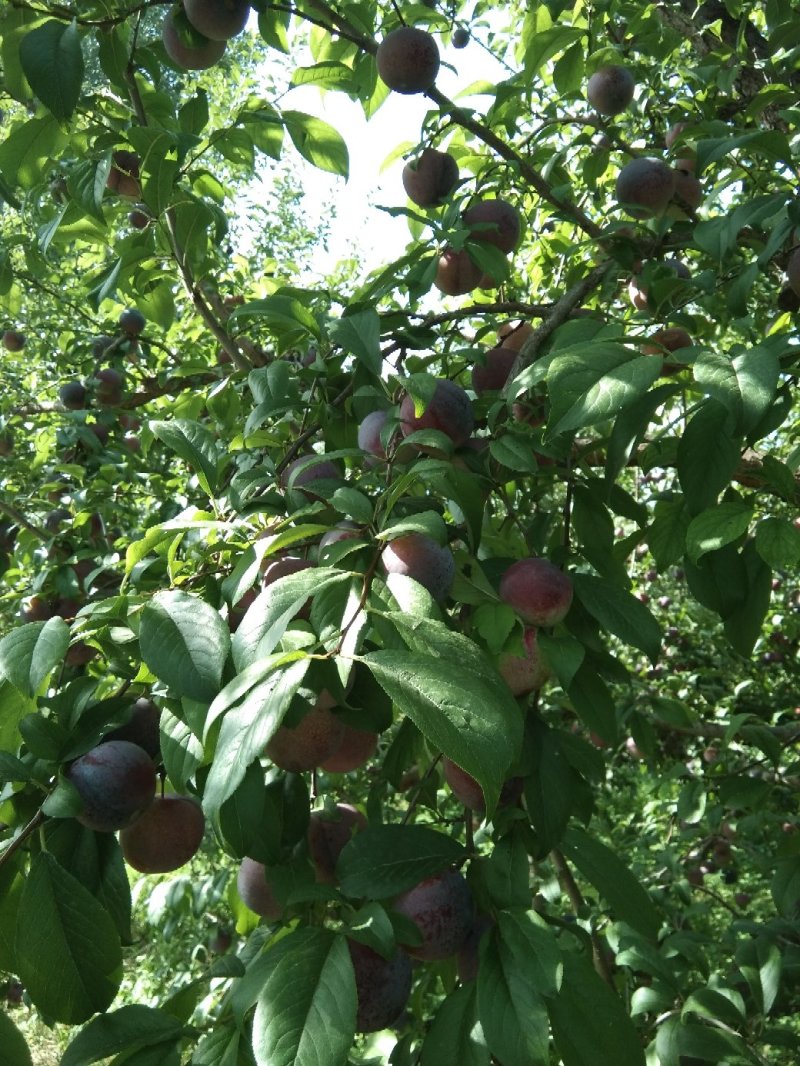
[589, 384]
[717, 526]
[619, 612]
[247, 728]
[384, 860]
[563, 655]
[29, 654]
[86, 184]
[26, 153]
[707, 456]
[613, 880]
[455, 1036]
[360, 334]
[126, 1029]
[667, 535]
[472, 721]
[785, 887]
[15, 1050]
[514, 452]
[506, 872]
[745, 384]
[306, 1010]
[196, 446]
[587, 1015]
[778, 542]
[510, 1009]
[185, 643]
[317, 142]
[70, 958]
[280, 312]
[53, 64]
[535, 949]
[326, 75]
[549, 785]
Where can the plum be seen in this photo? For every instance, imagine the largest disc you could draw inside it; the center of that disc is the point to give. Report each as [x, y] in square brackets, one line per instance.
[467, 790]
[308, 744]
[408, 60]
[165, 836]
[116, 782]
[382, 986]
[420, 557]
[538, 591]
[527, 672]
[430, 179]
[442, 909]
[610, 89]
[449, 410]
[328, 835]
[255, 891]
[457, 273]
[493, 373]
[218, 20]
[187, 48]
[357, 747]
[499, 223]
[645, 187]
[142, 728]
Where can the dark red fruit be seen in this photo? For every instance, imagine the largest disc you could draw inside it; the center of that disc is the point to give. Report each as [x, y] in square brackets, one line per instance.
[357, 747]
[442, 909]
[421, 558]
[132, 322]
[256, 892]
[218, 20]
[187, 48]
[538, 591]
[73, 396]
[499, 223]
[456, 273]
[308, 744]
[493, 373]
[645, 187]
[13, 341]
[123, 177]
[408, 60]
[382, 987]
[116, 782]
[430, 179]
[449, 410]
[610, 89]
[142, 728]
[165, 836]
[327, 836]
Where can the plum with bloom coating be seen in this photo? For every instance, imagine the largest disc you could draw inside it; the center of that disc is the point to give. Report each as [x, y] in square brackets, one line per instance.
[382, 986]
[165, 837]
[421, 558]
[442, 909]
[116, 782]
[538, 591]
[408, 60]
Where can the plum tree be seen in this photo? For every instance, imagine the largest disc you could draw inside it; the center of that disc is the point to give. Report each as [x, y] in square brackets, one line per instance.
[539, 592]
[408, 60]
[308, 744]
[218, 20]
[116, 783]
[13, 340]
[357, 747]
[493, 373]
[123, 177]
[188, 49]
[327, 836]
[382, 986]
[645, 187]
[449, 410]
[429, 179]
[143, 728]
[165, 836]
[255, 890]
[610, 89]
[442, 908]
[419, 556]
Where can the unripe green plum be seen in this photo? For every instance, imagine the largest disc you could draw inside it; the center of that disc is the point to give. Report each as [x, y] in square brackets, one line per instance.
[449, 410]
[538, 591]
[382, 987]
[165, 836]
[610, 89]
[442, 909]
[255, 891]
[420, 557]
[645, 187]
[357, 747]
[116, 782]
[408, 60]
[327, 837]
[308, 744]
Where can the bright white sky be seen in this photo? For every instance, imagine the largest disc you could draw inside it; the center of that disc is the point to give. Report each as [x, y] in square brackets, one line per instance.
[374, 236]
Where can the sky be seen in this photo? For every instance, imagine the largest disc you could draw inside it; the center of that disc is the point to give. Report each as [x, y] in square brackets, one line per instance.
[374, 236]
